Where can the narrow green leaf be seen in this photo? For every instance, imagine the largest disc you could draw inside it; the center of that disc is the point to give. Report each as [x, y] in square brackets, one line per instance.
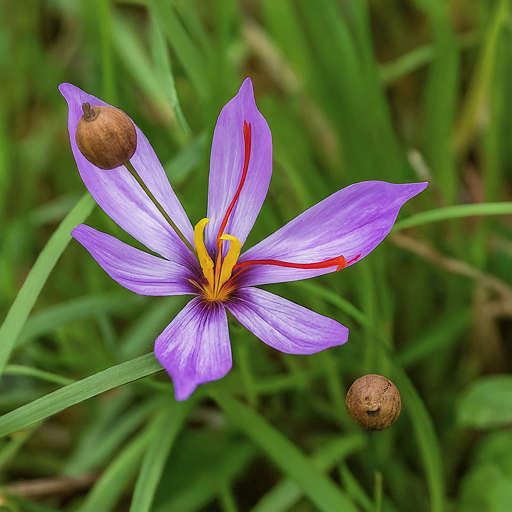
[420, 56]
[167, 426]
[322, 491]
[443, 333]
[440, 103]
[185, 49]
[429, 448]
[13, 446]
[482, 77]
[182, 163]
[227, 499]
[391, 71]
[454, 212]
[355, 489]
[104, 20]
[16, 369]
[343, 304]
[77, 392]
[204, 481]
[422, 423]
[164, 73]
[53, 211]
[27, 296]
[286, 493]
[81, 308]
[138, 64]
[102, 441]
[144, 330]
[114, 480]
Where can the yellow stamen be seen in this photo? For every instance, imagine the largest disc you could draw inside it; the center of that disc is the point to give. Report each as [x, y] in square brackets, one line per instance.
[230, 259]
[204, 258]
[217, 275]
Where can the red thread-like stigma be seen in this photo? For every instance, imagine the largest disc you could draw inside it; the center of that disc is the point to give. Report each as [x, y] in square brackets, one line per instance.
[339, 261]
[247, 156]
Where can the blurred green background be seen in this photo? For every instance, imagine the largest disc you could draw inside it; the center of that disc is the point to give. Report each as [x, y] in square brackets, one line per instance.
[394, 90]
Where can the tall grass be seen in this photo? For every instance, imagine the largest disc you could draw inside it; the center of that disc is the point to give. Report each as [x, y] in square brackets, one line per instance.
[352, 90]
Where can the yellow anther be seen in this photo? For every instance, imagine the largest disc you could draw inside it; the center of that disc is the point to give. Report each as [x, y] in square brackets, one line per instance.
[219, 274]
[204, 258]
[230, 259]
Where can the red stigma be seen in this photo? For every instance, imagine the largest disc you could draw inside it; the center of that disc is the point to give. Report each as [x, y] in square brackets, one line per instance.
[355, 258]
[339, 262]
[247, 156]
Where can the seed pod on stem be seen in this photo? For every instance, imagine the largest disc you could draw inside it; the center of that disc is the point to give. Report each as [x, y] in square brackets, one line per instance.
[374, 402]
[106, 136]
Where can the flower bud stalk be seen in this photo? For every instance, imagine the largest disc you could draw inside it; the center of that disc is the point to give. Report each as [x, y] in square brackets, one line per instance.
[154, 200]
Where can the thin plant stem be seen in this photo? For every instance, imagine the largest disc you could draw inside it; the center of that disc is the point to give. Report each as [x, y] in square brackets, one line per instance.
[378, 491]
[148, 192]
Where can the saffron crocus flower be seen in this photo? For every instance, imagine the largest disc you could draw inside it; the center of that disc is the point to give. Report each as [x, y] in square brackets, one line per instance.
[333, 234]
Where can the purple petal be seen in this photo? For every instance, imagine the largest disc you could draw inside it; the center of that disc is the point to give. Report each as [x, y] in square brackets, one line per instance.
[284, 325]
[122, 198]
[194, 348]
[350, 222]
[226, 166]
[134, 269]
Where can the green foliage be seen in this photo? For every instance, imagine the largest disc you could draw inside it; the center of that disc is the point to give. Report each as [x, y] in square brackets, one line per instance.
[488, 485]
[352, 90]
[487, 403]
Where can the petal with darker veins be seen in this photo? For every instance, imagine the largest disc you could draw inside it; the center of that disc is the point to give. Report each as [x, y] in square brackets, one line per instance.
[350, 222]
[134, 269]
[194, 348]
[284, 325]
[227, 163]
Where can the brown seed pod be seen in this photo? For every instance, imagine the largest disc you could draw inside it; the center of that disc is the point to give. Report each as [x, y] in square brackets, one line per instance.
[374, 402]
[106, 136]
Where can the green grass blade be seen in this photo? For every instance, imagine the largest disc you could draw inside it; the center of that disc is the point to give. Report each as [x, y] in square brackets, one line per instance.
[355, 489]
[322, 492]
[185, 49]
[81, 308]
[440, 105]
[167, 426]
[454, 212]
[165, 75]
[482, 77]
[286, 493]
[343, 304]
[16, 369]
[11, 449]
[422, 423]
[227, 500]
[117, 476]
[77, 392]
[429, 448]
[180, 166]
[207, 479]
[138, 64]
[27, 296]
[99, 445]
[104, 19]
[443, 333]
[391, 71]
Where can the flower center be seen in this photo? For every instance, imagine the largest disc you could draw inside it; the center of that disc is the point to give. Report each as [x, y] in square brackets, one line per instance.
[217, 285]
[218, 277]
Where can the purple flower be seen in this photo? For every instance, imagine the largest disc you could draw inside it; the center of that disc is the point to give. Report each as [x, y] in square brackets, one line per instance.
[333, 234]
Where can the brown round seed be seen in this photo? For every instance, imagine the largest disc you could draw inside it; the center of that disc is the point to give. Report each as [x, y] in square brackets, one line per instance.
[106, 136]
[374, 402]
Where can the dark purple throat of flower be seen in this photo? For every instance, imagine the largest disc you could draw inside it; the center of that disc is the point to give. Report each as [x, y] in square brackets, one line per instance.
[219, 279]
